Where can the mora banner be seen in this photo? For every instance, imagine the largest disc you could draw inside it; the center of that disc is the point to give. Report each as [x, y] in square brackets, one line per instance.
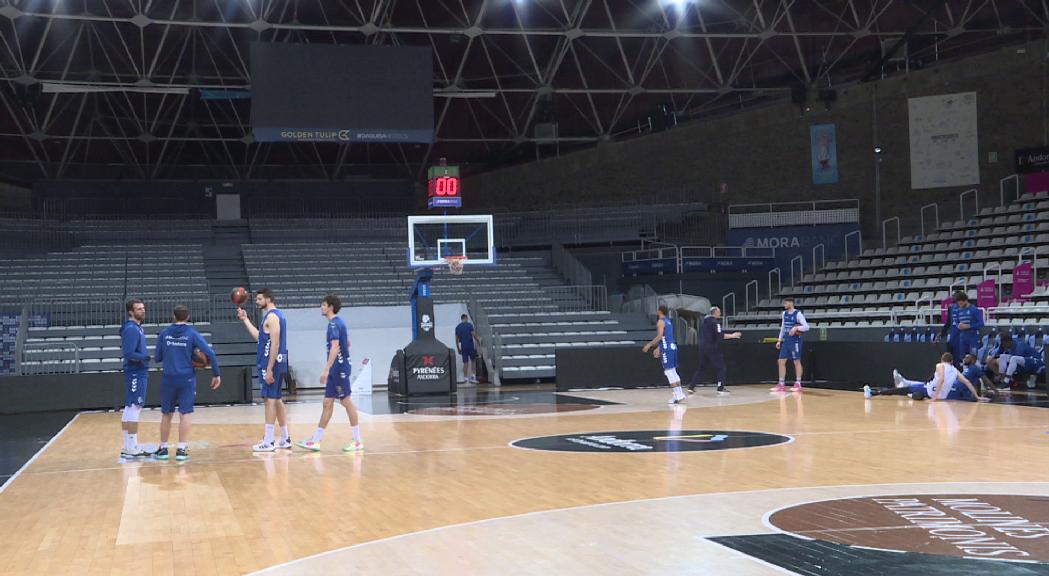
[1023, 280]
[987, 293]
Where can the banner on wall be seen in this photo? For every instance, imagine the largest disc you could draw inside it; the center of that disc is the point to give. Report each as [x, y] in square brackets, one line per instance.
[824, 142]
[944, 146]
[1030, 160]
[1023, 280]
[987, 293]
[792, 241]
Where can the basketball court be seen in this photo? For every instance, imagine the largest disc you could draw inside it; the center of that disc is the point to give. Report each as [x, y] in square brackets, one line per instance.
[527, 481]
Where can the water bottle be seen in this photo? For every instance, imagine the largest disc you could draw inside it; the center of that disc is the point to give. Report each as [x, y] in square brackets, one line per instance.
[931, 335]
[907, 335]
[898, 336]
[1039, 338]
[1031, 340]
[888, 337]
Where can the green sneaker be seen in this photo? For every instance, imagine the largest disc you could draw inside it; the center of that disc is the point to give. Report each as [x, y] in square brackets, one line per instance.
[309, 445]
[353, 447]
[161, 454]
[182, 454]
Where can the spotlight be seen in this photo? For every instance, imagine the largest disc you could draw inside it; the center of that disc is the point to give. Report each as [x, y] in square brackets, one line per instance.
[877, 149]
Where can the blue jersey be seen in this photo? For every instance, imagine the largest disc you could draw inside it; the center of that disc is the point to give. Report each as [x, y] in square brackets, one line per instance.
[973, 372]
[337, 333]
[263, 354]
[790, 320]
[133, 347]
[175, 346]
[464, 334]
[668, 345]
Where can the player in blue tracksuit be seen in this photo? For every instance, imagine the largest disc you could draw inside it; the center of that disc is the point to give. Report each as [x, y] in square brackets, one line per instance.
[136, 376]
[789, 344]
[1016, 358]
[336, 378]
[271, 360]
[664, 347]
[176, 345]
[710, 337]
[467, 342]
[964, 322]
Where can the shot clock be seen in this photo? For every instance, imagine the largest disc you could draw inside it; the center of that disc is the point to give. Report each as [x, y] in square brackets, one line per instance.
[442, 187]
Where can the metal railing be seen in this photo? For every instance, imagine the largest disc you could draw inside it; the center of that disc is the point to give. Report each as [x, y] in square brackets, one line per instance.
[570, 268]
[1014, 192]
[727, 252]
[491, 345]
[859, 243]
[884, 235]
[794, 213]
[587, 298]
[936, 217]
[961, 203]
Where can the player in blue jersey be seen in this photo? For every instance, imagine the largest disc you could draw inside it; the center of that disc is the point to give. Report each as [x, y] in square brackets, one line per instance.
[465, 340]
[136, 376]
[336, 378]
[963, 325]
[789, 344]
[178, 387]
[664, 346]
[1014, 358]
[271, 360]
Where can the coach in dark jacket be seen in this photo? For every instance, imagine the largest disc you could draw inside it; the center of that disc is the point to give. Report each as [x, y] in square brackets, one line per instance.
[710, 337]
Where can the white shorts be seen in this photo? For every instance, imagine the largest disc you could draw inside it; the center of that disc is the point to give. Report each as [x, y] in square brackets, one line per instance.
[672, 375]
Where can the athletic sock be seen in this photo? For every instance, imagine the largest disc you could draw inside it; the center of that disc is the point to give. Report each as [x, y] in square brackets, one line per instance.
[267, 437]
[781, 382]
[132, 440]
[163, 444]
[284, 435]
[126, 445]
[678, 394]
[318, 435]
[797, 382]
[356, 433]
[181, 445]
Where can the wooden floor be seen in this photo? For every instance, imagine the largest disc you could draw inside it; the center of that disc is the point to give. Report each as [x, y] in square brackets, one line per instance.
[77, 510]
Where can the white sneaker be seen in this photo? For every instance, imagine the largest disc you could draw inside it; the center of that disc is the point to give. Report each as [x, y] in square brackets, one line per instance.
[263, 447]
[897, 379]
[867, 392]
[134, 452]
[283, 444]
[683, 400]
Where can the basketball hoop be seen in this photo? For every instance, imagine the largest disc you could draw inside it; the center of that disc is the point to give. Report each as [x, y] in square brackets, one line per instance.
[455, 264]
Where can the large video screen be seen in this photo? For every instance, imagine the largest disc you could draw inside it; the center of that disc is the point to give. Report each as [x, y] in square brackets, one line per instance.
[333, 93]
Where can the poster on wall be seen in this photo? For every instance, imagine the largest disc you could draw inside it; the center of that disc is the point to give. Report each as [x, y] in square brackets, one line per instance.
[944, 147]
[824, 141]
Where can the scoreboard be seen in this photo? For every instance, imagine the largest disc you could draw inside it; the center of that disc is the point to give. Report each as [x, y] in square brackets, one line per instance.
[442, 187]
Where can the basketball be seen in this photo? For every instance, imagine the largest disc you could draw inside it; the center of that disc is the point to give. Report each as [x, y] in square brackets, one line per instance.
[239, 296]
[200, 360]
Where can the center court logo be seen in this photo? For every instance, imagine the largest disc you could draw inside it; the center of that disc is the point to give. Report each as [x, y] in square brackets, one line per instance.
[648, 441]
[990, 526]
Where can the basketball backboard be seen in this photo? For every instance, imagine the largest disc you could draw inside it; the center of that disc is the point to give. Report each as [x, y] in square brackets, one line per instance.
[431, 239]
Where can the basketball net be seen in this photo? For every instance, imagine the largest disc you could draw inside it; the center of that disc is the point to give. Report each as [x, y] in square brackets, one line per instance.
[455, 264]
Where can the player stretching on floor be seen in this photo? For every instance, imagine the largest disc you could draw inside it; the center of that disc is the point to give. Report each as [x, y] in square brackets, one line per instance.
[136, 376]
[941, 387]
[175, 346]
[667, 352]
[789, 343]
[271, 360]
[336, 378]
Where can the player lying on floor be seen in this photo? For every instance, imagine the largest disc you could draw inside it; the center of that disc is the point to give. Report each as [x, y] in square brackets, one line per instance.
[943, 386]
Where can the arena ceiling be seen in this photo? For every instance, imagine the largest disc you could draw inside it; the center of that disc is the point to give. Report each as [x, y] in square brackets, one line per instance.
[111, 88]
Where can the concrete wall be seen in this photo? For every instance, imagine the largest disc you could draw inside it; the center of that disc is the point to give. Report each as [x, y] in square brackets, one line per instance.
[763, 155]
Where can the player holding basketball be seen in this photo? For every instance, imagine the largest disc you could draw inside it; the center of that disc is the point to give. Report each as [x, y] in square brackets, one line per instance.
[941, 387]
[465, 338]
[336, 378]
[667, 352]
[789, 343]
[175, 348]
[271, 360]
[136, 376]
